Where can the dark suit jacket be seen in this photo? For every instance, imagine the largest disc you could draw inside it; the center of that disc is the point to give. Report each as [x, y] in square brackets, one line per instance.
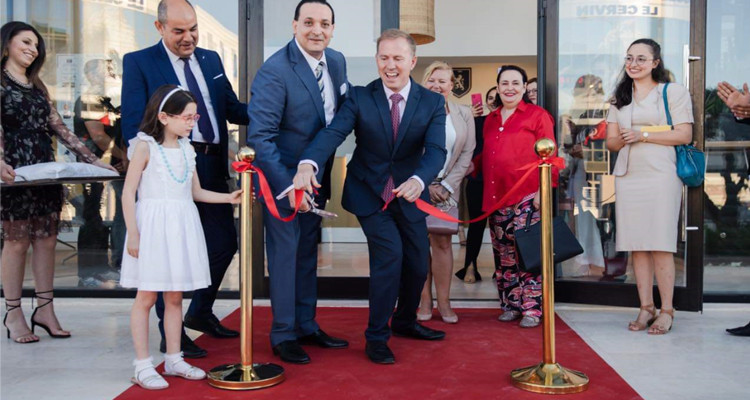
[286, 111]
[146, 70]
[419, 148]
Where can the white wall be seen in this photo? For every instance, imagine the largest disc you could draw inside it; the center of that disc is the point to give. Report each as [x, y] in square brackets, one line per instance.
[483, 28]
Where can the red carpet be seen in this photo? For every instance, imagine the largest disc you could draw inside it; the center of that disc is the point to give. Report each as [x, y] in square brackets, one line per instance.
[473, 362]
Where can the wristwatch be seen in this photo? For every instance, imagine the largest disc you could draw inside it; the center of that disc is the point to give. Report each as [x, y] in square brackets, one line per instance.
[644, 137]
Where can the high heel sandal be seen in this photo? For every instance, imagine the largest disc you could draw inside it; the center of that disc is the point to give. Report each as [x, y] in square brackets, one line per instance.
[660, 330]
[636, 326]
[426, 316]
[43, 326]
[8, 309]
[448, 319]
[470, 276]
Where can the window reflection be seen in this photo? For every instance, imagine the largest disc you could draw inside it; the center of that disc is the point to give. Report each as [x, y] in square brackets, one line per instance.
[726, 192]
[85, 41]
[593, 36]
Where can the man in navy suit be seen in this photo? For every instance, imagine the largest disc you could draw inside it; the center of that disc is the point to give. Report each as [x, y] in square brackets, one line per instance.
[400, 132]
[295, 94]
[176, 60]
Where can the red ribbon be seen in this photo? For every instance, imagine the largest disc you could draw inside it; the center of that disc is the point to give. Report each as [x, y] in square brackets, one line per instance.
[528, 169]
[266, 193]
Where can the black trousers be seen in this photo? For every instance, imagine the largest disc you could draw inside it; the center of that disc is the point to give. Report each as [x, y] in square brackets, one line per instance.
[474, 191]
[399, 258]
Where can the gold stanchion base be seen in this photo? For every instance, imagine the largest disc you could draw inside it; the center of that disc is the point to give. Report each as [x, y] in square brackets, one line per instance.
[549, 379]
[238, 377]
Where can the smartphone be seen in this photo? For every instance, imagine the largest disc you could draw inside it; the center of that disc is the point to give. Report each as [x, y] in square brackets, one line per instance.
[476, 98]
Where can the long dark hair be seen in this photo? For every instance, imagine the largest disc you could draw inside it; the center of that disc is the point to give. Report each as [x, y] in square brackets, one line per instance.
[175, 105]
[524, 77]
[7, 33]
[624, 89]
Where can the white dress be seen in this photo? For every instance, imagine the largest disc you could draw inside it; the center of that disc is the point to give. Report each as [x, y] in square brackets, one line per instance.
[172, 253]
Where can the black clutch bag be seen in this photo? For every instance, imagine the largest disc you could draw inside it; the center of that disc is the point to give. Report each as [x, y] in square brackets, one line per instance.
[529, 240]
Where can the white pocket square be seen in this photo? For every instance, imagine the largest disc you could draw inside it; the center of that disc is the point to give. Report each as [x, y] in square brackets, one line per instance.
[218, 76]
[343, 89]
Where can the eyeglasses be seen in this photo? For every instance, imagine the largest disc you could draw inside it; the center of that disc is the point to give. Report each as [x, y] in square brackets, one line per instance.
[187, 118]
[535, 91]
[638, 61]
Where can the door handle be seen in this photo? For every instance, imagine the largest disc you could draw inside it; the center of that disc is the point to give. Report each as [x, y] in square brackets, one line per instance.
[686, 60]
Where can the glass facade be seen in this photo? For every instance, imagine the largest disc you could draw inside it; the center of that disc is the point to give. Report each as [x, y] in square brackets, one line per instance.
[87, 39]
[727, 196]
[85, 42]
[593, 39]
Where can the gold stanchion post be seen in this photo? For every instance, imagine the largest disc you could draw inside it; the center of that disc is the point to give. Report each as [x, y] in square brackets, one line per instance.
[246, 375]
[548, 377]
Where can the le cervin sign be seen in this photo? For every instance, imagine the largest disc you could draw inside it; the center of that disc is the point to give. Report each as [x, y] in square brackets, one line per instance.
[673, 9]
[138, 5]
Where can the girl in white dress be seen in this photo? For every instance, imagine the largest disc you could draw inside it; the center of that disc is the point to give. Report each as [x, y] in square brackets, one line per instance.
[165, 246]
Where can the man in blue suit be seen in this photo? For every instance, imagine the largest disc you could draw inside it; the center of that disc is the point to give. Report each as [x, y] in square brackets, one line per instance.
[400, 132]
[176, 60]
[295, 94]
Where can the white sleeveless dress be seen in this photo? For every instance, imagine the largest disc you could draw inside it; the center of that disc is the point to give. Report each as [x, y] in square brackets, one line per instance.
[172, 254]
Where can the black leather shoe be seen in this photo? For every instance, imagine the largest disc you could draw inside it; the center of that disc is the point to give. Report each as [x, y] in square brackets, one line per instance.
[210, 326]
[322, 339]
[741, 331]
[420, 332]
[291, 352]
[379, 353]
[188, 347]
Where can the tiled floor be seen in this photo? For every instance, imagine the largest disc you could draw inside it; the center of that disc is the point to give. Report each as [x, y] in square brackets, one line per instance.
[697, 360]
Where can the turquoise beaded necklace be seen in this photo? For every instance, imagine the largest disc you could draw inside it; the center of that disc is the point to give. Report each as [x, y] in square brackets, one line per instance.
[169, 167]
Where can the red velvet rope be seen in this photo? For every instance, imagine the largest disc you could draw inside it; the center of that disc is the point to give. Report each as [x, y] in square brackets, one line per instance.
[266, 193]
[528, 169]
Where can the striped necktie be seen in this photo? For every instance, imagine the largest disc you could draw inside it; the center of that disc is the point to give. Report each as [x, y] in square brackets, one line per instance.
[319, 78]
[387, 194]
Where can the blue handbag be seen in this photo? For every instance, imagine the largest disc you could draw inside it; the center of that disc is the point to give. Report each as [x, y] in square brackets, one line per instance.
[691, 162]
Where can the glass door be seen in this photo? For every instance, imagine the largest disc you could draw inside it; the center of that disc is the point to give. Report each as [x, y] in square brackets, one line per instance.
[726, 192]
[586, 41]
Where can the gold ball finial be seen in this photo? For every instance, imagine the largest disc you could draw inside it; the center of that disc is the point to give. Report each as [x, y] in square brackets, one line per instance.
[544, 148]
[246, 154]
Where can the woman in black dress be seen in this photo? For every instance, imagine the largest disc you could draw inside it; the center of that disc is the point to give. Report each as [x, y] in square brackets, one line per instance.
[30, 215]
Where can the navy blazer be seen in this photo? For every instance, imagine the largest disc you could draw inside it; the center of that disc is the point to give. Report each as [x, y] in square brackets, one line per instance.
[419, 149]
[286, 110]
[146, 70]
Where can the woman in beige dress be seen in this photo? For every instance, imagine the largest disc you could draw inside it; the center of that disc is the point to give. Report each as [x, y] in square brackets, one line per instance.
[445, 191]
[646, 183]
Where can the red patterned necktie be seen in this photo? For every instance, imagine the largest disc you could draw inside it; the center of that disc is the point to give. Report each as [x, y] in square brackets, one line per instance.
[396, 98]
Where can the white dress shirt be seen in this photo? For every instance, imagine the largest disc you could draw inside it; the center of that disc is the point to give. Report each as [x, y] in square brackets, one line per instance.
[179, 70]
[329, 105]
[404, 92]
[450, 141]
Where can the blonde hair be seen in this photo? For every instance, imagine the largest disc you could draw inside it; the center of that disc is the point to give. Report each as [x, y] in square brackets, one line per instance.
[392, 34]
[438, 66]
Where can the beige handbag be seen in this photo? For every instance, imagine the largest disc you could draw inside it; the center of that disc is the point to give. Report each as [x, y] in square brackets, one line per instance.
[441, 227]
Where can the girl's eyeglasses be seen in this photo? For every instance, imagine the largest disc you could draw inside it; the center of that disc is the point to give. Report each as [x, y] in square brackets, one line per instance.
[638, 61]
[187, 118]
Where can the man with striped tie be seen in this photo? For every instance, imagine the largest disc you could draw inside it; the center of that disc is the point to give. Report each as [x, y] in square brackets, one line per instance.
[295, 94]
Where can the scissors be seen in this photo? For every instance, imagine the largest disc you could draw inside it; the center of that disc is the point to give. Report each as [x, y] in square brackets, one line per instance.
[317, 211]
[322, 213]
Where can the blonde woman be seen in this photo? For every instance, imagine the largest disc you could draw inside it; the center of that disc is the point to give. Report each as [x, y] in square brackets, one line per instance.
[445, 191]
